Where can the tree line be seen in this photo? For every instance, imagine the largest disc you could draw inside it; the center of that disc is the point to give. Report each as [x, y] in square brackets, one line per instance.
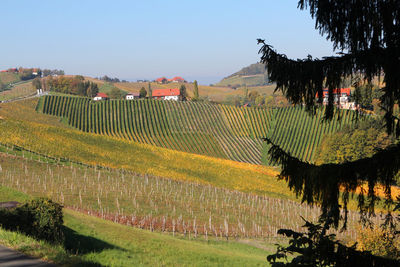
[68, 85]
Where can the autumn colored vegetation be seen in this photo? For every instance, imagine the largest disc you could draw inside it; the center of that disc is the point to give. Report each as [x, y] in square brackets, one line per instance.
[158, 204]
[215, 130]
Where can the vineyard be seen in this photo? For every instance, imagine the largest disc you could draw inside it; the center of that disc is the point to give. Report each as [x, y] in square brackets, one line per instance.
[159, 204]
[214, 130]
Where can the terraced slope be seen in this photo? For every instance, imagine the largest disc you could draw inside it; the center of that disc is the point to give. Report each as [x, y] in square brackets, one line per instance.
[214, 130]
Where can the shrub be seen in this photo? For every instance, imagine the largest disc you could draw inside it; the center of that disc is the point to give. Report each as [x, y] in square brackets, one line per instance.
[40, 218]
[379, 242]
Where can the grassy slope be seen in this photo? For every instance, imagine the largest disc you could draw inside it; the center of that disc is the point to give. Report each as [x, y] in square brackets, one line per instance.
[7, 77]
[21, 125]
[108, 243]
[19, 90]
[250, 80]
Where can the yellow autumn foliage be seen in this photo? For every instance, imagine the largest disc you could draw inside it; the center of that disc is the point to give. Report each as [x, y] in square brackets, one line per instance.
[45, 134]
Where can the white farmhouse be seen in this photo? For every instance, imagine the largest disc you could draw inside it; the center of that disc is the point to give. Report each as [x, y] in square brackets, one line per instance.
[132, 96]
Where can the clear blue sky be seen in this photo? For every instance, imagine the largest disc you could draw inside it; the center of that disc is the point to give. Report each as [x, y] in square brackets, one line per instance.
[204, 40]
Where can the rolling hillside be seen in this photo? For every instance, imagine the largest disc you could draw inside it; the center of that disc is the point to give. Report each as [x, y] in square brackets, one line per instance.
[253, 75]
[220, 131]
[8, 77]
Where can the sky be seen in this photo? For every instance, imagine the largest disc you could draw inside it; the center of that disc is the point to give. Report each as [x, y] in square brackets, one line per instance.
[203, 40]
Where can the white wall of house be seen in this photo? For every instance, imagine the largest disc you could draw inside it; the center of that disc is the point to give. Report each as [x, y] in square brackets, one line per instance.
[171, 97]
[130, 97]
[344, 99]
[97, 98]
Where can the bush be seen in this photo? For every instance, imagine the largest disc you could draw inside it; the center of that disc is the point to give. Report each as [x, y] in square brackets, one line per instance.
[379, 242]
[40, 218]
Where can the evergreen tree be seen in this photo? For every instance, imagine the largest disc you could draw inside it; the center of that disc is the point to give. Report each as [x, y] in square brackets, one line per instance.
[182, 91]
[246, 95]
[195, 91]
[142, 92]
[150, 90]
[370, 33]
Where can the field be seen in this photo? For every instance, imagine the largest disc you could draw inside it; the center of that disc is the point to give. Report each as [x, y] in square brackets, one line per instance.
[21, 125]
[8, 77]
[182, 200]
[214, 93]
[91, 241]
[158, 204]
[240, 80]
[18, 90]
[218, 94]
[220, 131]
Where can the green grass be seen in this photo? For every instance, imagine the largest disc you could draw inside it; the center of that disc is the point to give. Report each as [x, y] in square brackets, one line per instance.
[8, 77]
[106, 88]
[91, 241]
[19, 90]
[156, 203]
[249, 80]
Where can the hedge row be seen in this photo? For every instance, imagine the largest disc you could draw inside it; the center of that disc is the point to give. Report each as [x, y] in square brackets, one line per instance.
[40, 218]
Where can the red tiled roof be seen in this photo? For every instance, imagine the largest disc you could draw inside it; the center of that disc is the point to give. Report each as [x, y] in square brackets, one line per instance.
[102, 95]
[166, 92]
[336, 91]
[177, 78]
[160, 79]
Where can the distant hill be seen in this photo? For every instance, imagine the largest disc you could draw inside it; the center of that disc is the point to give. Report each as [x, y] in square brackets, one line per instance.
[253, 75]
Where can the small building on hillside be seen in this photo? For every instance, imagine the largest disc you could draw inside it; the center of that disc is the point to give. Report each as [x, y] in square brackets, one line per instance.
[100, 96]
[167, 94]
[162, 80]
[341, 96]
[178, 79]
[132, 96]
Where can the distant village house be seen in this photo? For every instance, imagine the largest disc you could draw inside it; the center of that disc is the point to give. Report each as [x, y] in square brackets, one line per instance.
[341, 96]
[132, 96]
[167, 94]
[176, 79]
[100, 96]
[162, 80]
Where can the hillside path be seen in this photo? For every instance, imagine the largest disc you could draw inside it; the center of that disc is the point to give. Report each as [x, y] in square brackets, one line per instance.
[11, 258]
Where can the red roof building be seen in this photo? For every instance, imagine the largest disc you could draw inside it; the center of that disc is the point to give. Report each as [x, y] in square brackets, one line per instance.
[178, 79]
[100, 96]
[337, 91]
[161, 80]
[167, 94]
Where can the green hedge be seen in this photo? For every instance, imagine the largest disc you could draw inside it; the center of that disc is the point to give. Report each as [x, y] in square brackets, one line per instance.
[40, 218]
